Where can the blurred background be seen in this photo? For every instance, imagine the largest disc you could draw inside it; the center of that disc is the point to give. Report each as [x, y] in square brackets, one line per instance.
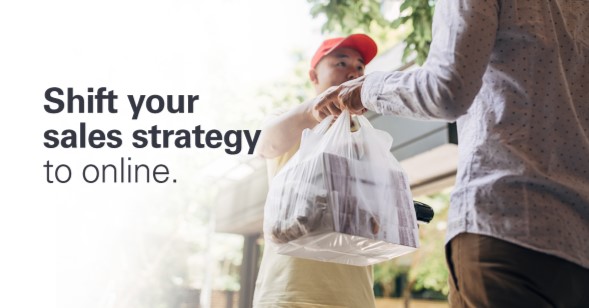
[197, 242]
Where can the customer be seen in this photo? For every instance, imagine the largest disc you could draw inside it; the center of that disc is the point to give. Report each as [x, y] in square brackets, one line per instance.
[515, 76]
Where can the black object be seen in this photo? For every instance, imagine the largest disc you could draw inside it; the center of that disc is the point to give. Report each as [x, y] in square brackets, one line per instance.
[423, 211]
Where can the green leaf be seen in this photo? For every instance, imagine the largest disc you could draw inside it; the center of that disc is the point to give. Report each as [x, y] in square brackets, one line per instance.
[405, 5]
[348, 16]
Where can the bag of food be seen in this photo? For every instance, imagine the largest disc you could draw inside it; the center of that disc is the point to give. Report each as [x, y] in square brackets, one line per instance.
[342, 198]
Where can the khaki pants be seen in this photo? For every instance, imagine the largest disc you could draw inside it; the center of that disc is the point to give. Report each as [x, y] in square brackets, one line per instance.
[488, 272]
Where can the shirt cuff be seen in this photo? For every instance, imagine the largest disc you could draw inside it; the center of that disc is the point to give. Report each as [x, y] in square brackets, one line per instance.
[371, 89]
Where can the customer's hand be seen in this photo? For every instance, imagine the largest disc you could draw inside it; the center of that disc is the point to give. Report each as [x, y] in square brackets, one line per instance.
[323, 107]
[347, 95]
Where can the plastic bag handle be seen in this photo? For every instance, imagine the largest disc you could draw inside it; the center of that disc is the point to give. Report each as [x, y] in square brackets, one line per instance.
[326, 123]
[323, 126]
[386, 138]
[363, 121]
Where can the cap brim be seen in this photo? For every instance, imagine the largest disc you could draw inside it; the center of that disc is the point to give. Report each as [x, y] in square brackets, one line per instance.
[361, 43]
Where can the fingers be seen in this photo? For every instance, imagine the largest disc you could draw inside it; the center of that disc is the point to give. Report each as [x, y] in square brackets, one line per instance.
[327, 110]
[328, 94]
[357, 111]
[323, 114]
[333, 108]
[327, 104]
[349, 96]
[338, 98]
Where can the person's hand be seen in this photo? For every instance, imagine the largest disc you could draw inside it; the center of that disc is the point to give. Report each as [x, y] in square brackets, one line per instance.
[349, 95]
[323, 107]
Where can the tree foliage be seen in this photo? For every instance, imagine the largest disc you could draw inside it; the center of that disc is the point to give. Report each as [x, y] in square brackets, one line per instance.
[429, 271]
[425, 269]
[348, 16]
[288, 91]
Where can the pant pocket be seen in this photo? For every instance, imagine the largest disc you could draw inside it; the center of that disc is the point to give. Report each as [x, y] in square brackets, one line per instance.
[451, 271]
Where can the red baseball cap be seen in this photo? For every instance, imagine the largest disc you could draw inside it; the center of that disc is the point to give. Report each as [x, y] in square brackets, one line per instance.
[362, 43]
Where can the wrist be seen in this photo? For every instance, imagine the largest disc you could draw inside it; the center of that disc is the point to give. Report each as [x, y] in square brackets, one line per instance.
[308, 114]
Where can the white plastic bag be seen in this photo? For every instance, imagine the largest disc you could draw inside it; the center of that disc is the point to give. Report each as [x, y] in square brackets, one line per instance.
[342, 198]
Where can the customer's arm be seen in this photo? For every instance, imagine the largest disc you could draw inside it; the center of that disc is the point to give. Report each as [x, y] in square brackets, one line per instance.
[464, 34]
[444, 87]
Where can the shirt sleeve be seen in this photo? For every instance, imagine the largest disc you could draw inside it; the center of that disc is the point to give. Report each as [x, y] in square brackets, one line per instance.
[444, 87]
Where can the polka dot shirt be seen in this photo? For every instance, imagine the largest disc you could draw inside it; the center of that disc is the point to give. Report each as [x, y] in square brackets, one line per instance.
[515, 76]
